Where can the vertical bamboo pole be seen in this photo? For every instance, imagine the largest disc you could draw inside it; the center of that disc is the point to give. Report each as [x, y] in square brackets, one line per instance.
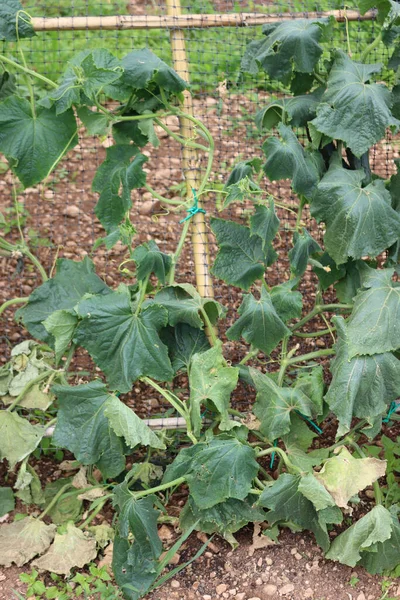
[190, 160]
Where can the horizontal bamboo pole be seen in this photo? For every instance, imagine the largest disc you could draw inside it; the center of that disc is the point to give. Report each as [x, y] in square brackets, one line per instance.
[187, 21]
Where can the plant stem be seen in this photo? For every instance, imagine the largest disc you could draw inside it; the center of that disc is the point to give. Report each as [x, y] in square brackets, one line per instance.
[282, 454]
[8, 303]
[161, 198]
[372, 46]
[210, 327]
[179, 138]
[95, 512]
[142, 296]
[54, 500]
[318, 333]
[27, 71]
[318, 309]
[251, 354]
[178, 251]
[159, 488]
[300, 212]
[36, 262]
[118, 118]
[284, 363]
[310, 356]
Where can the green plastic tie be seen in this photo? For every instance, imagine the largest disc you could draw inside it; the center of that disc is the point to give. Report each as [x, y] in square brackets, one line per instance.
[392, 409]
[271, 462]
[193, 210]
[310, 421]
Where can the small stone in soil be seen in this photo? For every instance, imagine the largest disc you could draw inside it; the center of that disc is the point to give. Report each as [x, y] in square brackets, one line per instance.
[175, 584]
[286, 589]
[221, 588]
[270, 589]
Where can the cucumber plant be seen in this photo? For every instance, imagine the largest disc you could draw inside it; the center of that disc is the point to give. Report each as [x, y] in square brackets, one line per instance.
[153, 327]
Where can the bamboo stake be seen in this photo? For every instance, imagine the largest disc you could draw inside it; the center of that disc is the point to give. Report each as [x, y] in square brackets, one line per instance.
[175, 20]
[190, 160]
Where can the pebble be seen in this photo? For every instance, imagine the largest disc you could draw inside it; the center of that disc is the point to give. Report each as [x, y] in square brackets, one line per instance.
[175, 584]
[309, 593]
[270, 589]
[268, 561]
[221, 588]
[298, 556]
[165, 533]
[232, 592]
[259, 581]
[71, 211]
[286, 589]
[361, 596]
[240, 596]
[255, 598]
[207, 597]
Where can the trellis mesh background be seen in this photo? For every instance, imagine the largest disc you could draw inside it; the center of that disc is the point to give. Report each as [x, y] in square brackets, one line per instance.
[59, 220]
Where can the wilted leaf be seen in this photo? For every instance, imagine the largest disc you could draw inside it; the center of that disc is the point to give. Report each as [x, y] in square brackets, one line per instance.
[7, 501]
[22, 540]
[18, 437]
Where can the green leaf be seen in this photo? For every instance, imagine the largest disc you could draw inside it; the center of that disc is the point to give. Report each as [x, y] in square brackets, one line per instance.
[67, 508]
[114, 180]
[241, 259]
[7, 501]
[259, 323]
[83, 428]
[22, 540]
[312, 385]
[149, 259]
[363, 386]
[70, 549]
[376, 526]
[184, 303]
[384, 556]
[264, 223]
[125, 423]
[96, 123]
[34, 143]
[142, 68]
[286, 502]
[349, 285]
[225, 518]
[243, 170]
[344, 476]
[61, 325]
[359, 220]
[388, 10]
[183, 342]
[286, 158]
[352, 109]
[58, 294]
[287, 303]
[300, 437]
[291, 45]
[374, 324]
[133, 582]
[7, 87]
[210, 379]
[327, 271]
[18, 437]
[215, 471]
[124, 345]
[312, 489]
[299, 109]
[274, 405]
[9, 10]
[304, 246]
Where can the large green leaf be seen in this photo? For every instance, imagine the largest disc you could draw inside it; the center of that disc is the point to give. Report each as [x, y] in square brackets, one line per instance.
[210, 379]
[215, 471]
[311, 383]
[384, 556]
[114, 180]
[374, 324]
[72, 281]
[376, 526]
[123, 344]
[183, 343]
[125, 423]
[287, 303]
[274, 405]
[362, 386]
[241, 258]
[359, 220]
[286, 158]
[61, 325]
[344, 476]
[259, 323]
[149, 259]
[264, 223]
[9, 10]
[143, 68]
[133, 582]
[184, 303]
[352, 109]
[287, 501]
[83, 428]
[34, 142]
[304, 246]
[18, 437]
[225, 518]
[289, 45]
